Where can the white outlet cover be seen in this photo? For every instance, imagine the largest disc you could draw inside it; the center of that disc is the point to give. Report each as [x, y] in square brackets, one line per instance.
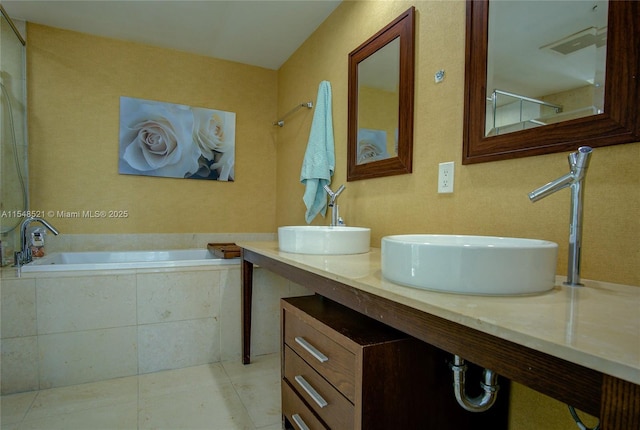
[445, 177]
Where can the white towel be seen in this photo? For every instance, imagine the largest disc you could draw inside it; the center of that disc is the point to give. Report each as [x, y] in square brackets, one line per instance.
[319, 159]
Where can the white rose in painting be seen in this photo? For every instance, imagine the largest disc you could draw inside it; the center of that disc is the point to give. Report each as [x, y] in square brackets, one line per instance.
[156, 138]
[213, 131]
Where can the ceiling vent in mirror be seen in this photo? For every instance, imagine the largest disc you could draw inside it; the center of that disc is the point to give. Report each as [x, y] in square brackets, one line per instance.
[580, 40]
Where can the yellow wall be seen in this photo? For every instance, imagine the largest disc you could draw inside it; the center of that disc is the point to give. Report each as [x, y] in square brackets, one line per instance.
[489, 198]
[75, 82]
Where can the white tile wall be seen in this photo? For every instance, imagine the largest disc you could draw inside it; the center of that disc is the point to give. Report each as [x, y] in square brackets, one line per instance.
[231, 315]
[71, 329]
[85, 303]
[18, 307]
[178, 344]
[19, 364]
[87, 356]
[266, 297]
[176, 296]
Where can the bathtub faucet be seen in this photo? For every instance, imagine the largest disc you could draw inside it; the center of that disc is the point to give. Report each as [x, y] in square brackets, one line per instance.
[24, 256]
[578, 163]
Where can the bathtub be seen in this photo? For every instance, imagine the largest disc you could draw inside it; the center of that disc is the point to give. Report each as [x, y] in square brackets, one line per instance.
[107, 260]
[80, 317]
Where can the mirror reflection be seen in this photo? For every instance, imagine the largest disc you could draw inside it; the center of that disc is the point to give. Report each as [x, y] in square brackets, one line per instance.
[378, 104]
[620, 116]
[552, 72]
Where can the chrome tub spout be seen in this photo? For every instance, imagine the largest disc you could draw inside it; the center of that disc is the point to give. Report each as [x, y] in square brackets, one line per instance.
[24, 256]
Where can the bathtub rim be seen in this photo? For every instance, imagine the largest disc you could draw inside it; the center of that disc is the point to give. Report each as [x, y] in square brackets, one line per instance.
[41, 267]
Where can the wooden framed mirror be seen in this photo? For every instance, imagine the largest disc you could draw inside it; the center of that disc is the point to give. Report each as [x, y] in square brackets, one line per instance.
[616, 123]
[380, 111]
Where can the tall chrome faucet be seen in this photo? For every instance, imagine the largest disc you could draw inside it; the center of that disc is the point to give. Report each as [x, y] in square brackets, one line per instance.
[335, 215]
[578, 163]
[24, 256]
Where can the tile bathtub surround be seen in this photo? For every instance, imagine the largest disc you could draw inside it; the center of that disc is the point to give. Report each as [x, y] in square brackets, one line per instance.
[19, 364]
[213, 396]
[72, 304]
[18, 307]
[75, 328]
[86, 356]
[177, 344]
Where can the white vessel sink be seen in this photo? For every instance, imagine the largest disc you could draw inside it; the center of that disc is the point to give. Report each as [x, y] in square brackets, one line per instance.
[305, 239]
[470, 264]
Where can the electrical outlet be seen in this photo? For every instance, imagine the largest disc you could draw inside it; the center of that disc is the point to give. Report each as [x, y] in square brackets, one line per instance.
[445, 177]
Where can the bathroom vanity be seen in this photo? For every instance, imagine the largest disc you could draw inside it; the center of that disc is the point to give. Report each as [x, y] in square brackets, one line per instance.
[344, 370]
[580, 346]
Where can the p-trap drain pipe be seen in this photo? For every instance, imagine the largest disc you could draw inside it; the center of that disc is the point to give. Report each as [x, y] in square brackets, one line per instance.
[489, 387]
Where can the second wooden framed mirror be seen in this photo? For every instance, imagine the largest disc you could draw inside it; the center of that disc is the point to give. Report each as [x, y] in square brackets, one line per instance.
[616, 122]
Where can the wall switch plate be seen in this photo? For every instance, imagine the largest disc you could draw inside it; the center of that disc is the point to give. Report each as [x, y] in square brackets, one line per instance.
[445, 177]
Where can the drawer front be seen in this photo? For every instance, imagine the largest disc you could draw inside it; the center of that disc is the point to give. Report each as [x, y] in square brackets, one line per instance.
[298, 414]
[320, 395]
[326, 356]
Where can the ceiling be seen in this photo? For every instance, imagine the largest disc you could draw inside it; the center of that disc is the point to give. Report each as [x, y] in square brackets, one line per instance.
[262, 33]
[266, 32]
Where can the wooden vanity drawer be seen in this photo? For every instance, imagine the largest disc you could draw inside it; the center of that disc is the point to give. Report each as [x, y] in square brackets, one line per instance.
[295, 410]
[319, 394]
[326, 356]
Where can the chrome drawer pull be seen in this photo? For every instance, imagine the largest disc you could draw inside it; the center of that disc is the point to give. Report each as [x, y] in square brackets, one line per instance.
[311, 349]
[299, 422]
[311, 391]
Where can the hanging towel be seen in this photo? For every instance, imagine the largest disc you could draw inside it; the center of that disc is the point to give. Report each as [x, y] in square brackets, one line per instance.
[319, 159]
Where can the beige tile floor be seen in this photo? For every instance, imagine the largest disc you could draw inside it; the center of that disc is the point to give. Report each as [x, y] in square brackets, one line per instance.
[218, 396]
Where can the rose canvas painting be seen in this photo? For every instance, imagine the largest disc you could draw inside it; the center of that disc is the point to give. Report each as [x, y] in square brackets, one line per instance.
[176, 141]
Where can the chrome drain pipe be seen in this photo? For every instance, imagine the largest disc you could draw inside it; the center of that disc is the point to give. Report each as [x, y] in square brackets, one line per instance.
[489, 387]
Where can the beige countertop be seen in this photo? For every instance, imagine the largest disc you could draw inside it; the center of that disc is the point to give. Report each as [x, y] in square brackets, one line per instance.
[596, 326]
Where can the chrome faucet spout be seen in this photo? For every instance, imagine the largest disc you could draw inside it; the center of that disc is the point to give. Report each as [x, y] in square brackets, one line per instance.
[551, 187]
[333, 196]
[24, 255]
[51, 228]
[578, 163]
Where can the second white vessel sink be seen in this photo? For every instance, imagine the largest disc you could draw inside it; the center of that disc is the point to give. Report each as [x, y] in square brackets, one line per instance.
[483, 265]
[306, 239]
